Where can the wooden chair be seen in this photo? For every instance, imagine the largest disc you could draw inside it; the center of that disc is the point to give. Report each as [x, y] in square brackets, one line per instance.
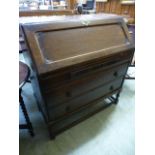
[24, 73]
[87, 8]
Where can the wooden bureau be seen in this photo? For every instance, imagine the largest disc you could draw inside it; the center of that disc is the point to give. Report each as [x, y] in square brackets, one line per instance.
[78, 65]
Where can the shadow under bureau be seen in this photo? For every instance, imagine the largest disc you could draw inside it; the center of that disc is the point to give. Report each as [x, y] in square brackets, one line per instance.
[78, 65]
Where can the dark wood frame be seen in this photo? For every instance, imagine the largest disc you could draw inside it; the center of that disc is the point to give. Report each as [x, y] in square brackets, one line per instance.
[42, 71]
[31, 30]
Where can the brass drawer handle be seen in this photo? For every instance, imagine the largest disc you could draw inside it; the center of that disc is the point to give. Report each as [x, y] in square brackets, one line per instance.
[115, 74]
[68, 94]
[111, 88]
[68, 108]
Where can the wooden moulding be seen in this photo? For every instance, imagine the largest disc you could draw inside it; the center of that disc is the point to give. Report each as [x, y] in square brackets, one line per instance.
[71, 30]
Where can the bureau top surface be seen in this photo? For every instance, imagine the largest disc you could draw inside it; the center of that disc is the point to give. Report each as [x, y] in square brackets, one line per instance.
[62, 18]
[58, 42]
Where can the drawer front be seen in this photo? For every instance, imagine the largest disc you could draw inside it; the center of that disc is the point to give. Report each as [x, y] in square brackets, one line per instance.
[75, 118]
[84, 99]
[71, 90]
[57, 79]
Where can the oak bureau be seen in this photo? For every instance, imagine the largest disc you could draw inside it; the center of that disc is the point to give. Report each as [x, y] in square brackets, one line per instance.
[78, 65]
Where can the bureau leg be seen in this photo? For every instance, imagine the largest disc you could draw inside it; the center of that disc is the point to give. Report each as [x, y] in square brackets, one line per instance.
[117, 98]
[114, 100]
[52, 137]
[37, 102]
[51, 134]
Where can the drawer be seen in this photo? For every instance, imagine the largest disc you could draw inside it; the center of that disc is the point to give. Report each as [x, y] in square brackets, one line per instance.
[73, 89]
[84, 99]
[60, 78]
[69, 121]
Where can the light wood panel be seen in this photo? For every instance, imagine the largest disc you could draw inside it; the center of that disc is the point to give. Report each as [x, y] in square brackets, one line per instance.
[115, 6]
[44, 13]
[111, 6]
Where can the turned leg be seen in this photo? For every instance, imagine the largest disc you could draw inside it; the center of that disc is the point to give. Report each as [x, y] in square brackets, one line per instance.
[117, 98]
[28, 125]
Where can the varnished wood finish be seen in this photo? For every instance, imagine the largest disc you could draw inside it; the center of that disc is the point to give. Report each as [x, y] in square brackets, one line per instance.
[112, 6]
[115, 6]
[25, 15]
[76, 61]
[44, 13]
[84, 98]
[42, 34]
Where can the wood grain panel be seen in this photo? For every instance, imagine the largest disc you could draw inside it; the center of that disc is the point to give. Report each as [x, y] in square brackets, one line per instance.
[111, 6]
[102, 7]
[71, 4]
[107, 7]
[85, 52]
[118, 8]
[125, 10]
[97, 7]
[44, 13]
[114, 6]
[132, 11]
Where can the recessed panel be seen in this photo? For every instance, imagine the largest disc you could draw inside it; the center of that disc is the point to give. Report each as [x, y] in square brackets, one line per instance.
[65, 44]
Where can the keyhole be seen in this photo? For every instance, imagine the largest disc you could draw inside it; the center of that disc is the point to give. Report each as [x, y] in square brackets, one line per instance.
[67, 108]
[115, 74]
[68, 94]
[111, 88]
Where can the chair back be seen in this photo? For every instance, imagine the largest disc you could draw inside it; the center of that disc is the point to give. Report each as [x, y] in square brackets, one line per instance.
[90, 4]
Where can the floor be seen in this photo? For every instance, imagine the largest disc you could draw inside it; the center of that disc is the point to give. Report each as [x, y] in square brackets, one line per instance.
[109, 132]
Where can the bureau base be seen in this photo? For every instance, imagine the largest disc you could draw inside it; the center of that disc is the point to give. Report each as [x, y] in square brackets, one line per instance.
[82, 114]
